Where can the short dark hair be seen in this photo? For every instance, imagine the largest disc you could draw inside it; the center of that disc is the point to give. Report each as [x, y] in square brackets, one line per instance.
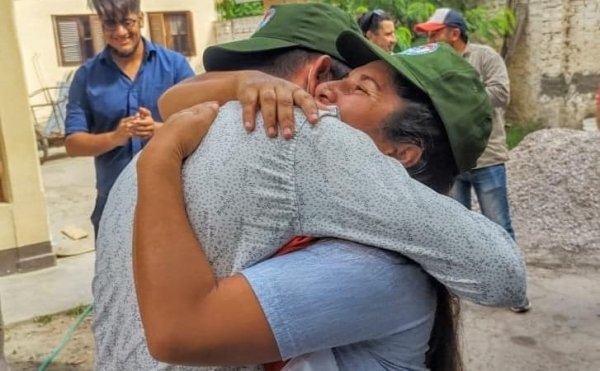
[115, 9]
[464, 36]
[284, 63]
[370, 20]
[417, 122]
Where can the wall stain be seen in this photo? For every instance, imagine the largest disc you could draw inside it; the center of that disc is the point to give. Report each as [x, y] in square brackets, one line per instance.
[558, 87]
[554, 86]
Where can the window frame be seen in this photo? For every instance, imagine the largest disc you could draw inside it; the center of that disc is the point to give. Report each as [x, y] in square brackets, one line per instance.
[95, 37]
[165, 38]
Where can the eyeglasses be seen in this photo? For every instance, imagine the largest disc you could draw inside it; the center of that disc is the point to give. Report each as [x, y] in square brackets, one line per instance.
[112, 24]
[367, 20]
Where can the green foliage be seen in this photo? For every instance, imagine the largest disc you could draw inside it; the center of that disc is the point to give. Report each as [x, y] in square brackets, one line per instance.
[229, 9]
[484, 26]
[76, 311]
[515, 133]
[404, 37]
[43, 320]
[490, 28]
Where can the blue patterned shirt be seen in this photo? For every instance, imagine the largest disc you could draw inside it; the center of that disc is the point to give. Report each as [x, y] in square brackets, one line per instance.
[247, 195]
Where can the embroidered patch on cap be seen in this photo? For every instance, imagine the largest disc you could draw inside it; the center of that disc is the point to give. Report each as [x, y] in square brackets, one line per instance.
[268, 16]
[421, 50]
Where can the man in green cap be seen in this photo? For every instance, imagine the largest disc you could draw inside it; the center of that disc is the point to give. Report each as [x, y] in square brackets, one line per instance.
[255, 210]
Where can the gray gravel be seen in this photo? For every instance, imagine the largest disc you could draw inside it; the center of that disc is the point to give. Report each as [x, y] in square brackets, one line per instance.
[554, 191]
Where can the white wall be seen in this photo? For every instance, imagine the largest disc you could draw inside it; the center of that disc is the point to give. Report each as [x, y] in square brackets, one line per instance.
[35, 33]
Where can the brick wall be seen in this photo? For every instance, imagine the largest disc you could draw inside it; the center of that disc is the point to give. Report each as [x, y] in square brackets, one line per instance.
[556, 66]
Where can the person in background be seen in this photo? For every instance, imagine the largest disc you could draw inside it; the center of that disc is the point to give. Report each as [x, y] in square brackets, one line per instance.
[488, 178]
[378, 26]
[112, 106]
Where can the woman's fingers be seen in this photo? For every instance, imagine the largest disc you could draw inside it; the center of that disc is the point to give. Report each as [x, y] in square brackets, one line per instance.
[268, 107]
[308, 104]
[187, 128]
[276, 99]
[249, 101]
[285, 112]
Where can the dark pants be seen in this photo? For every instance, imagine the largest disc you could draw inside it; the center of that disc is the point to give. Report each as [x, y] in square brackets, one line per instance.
[97, 213]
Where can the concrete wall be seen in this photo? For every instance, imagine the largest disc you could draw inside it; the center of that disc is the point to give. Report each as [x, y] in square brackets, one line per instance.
[24, 233]
[35, 32]
[556, 67]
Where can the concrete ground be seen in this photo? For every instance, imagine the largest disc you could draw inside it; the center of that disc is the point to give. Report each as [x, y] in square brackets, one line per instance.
[70, 194]
[561, 332]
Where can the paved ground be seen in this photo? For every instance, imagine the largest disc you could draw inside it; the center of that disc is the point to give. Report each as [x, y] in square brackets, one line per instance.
[562, 332]
[70, 194]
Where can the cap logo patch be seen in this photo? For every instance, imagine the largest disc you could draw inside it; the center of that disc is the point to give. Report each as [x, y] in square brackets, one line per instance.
[268, 16]
[421, 50]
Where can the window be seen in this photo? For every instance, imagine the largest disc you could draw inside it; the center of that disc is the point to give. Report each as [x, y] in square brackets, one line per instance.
[78, 37]
[173, 30]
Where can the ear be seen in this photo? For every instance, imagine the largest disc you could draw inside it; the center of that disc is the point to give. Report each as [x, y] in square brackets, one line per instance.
[407, 153]
[454, 34]
[319, 73]
[369, 34]
[141, 22]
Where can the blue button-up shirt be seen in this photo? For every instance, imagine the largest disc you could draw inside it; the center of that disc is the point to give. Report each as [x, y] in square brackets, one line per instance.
[101, 95]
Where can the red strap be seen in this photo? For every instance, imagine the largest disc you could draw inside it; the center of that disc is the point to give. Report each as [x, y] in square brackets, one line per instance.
[274, 366]
[295, 244]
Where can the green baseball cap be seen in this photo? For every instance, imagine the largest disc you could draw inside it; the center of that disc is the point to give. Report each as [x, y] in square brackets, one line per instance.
[451, 83]
[312, 26]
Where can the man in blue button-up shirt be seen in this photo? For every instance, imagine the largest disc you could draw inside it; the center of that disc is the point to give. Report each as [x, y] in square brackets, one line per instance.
[112, 109]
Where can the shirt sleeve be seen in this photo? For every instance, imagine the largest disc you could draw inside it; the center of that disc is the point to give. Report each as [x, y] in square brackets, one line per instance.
[495, 79]
[337, 292]
[78, 115]
[347, 189]
[184, 70]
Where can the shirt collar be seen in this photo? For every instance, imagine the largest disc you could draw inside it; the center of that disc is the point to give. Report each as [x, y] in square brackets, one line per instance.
[467, 50]
[149, 51]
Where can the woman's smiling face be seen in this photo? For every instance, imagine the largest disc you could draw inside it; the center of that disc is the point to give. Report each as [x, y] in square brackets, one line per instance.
[365, 97]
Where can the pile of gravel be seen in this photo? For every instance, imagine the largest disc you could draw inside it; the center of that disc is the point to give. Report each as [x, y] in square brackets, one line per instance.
[554, 192]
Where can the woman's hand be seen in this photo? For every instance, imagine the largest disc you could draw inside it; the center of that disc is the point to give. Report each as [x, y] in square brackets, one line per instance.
[173, 275]
[182, 133]
[276, 99]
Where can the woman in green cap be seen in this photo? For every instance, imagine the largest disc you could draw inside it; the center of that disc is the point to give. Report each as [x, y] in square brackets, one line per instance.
[259, 333]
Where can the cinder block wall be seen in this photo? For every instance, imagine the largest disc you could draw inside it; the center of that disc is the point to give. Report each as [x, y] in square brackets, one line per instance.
[556, 66]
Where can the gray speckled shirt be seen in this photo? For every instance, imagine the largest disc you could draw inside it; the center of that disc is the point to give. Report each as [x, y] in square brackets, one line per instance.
[247, 195]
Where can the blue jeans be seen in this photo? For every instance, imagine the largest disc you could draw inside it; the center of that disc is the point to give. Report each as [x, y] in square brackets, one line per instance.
[490, 187]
